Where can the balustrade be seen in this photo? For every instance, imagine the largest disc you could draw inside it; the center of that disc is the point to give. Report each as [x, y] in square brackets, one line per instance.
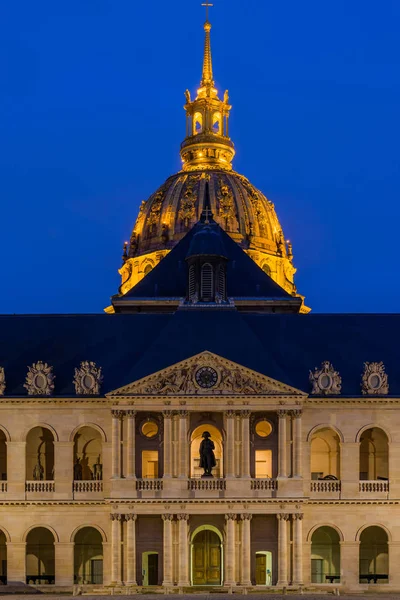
[326, 486]
[144, 485]
[206, 484]
[88, 486]
[264, 484]
[374, 486]
[39, 486]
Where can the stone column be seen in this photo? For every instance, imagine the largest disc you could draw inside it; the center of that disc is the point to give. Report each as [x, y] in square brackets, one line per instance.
[16, 562]
[131, 433]
[245, 471]
[117, 416]
[246, 549]
[349, 565]
[116, 522]
[167, 443]
[282, 549]
[130, 557]
[297, 444]
[297, 548]
[168, 550]
[230, 549]
[229, 446]
[282, 453]
[16, 470]
[183, 580]
[63, 469]
[64, 557]
[183, 445]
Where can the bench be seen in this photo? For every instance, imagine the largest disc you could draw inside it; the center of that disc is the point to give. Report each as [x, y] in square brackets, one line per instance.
[331, 578]
[374, 577]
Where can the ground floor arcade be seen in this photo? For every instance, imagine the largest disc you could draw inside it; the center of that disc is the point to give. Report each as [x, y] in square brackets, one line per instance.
[296, 545]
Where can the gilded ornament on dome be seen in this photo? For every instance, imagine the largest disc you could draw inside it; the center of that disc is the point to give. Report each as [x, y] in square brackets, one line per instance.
[187, 208]
[2, 381]
[226, 202]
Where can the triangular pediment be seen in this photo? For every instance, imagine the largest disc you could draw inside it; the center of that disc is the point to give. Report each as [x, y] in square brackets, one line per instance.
[206, 374]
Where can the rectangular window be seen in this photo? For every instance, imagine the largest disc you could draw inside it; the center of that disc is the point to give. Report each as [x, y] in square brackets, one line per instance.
[263, 464]
[150, 464]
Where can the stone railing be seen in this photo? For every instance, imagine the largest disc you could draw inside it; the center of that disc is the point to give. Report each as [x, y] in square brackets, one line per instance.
[207, 484]
[88, 486]
[327, 485]
[39, 486]
[149, 485]
[374, 486]
[264, 484]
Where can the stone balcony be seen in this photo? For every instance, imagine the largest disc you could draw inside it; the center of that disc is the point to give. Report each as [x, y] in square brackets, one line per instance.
[325, 488]
[374, 488]
[87, 489]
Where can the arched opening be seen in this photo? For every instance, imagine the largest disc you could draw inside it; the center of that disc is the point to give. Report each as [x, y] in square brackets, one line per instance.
[192, 282]
[222, 282]
[196, 439]
[267, 269]
[88, 461]
[3, 456]
[264, 567]
[325, 454]
[150, 568]
[217, 123]
[147, 269]
[3, 558]
[374, 454]
[40, 454]
[206, 282]
[88, 556]
[206, 556]
[374, 555]
[40, 556]
[325, 555]
[197, 123]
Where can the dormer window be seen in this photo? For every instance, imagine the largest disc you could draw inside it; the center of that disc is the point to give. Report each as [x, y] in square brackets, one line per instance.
[206, 283]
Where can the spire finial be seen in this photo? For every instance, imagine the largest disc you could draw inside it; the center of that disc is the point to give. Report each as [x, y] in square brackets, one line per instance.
[207, 78]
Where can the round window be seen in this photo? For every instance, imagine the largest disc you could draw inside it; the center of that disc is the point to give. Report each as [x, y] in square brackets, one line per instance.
[374, 382]
[150, 429]
[325, 381]
[263, 429]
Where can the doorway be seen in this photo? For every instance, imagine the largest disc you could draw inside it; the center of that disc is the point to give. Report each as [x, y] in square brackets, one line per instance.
[206, 558]
[264, 568]
[150, 568]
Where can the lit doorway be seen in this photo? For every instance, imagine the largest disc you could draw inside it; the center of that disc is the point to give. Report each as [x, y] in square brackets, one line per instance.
[206, 558]
[264, 568]
[150, 568]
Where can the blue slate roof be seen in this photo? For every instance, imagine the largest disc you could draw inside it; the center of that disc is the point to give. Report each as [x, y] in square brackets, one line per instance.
[128, 347]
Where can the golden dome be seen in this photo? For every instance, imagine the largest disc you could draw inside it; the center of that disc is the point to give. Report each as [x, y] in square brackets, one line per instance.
[240, 208]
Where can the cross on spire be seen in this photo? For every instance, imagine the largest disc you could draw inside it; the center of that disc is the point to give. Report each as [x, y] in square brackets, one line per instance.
[208, 5]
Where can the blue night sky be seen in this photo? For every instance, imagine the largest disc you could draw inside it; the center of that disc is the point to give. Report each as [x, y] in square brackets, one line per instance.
[91, 118]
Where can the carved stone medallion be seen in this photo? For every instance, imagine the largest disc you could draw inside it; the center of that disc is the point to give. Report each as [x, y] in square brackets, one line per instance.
[2, 381]
[40, 379]
[325, 380]
[374, 379]
[88, 378]
[206, 377]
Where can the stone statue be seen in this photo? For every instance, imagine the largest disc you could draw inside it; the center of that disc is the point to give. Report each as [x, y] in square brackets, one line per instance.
[226, 97]
[38, 471]
[78, 470]
[98, 470]
[188, 98]
[207, 456]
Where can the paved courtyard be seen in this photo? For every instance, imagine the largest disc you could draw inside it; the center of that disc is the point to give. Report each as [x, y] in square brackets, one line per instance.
[220, 596]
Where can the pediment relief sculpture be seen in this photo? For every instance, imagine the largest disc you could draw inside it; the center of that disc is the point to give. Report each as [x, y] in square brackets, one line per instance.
[374, 379]
[88, 378]
[325, 380]
[2, 381]
[40, 379]
[207, 373]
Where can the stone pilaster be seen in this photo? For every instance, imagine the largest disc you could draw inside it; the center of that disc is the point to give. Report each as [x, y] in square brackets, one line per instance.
[183, 520]
[168, 414]
[245, 417]
[117, 416]
[230, 447]
[283, 562]
[16, 562]
[183, 445]
[246, 549]
[16, 470]
[116, 523]
[282, 450]
[297, 548]
[168, 550]
[230, 519]
[130, 557]
[349, 565]
[297, 444]
[64, 558]
[131, 433]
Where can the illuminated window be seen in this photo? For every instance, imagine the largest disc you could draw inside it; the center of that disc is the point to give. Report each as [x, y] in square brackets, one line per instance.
[263, 464]
[263, 429]
[149, 464]
[150, 429]
[197, 123]
[216, 127]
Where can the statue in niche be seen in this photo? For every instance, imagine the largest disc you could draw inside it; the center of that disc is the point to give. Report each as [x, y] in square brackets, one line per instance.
[207, 456]
[98, 470]
[38, 471]
[78, 470]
